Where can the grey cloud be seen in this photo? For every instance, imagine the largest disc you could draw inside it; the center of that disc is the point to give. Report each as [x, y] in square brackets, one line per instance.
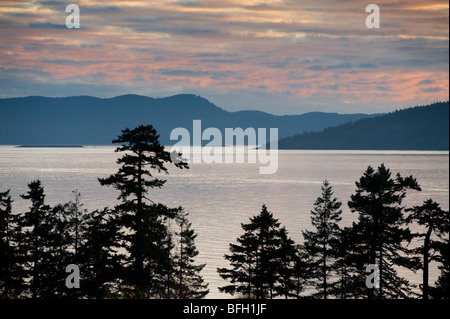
[69, 62]
[215, 75]
[316, 68]
[275, 65]
[432, 90]
[339, 66]
[91, 45]
[426, 82]
[32, 47]
[330, 87]
[218, 55]
[383, 88]
[280, 64]
[221, 61]
[100, 9]
[46, 25]
[193, 3]
[330, 67]
[52, 3]
[183, 72]
[367, 66]
[300, 85]
[174, 30]
[23, 72]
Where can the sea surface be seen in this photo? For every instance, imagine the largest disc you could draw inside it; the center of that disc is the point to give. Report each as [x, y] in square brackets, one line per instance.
[218, 196]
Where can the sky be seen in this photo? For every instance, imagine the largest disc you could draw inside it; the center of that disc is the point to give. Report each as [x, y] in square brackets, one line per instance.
[280, 56]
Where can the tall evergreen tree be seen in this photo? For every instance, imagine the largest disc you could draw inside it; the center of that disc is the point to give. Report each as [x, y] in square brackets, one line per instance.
[189, 283]
[301, 272]
[76, 213]
[11, 257]
[58, 244]
[290, 268]
[67, 220]
[442, 287]
[161, 257]
[321, 243]
[441, 290]
[37, 225]
[98, 257]
[256, 263]
[243, 262]
[141, 219]
[380, 230]
[346, 266]
[434, 219]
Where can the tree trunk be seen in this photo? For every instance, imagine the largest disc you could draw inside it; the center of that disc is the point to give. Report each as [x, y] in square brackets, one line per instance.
[426, 262]
[139, 257]
[325, 288]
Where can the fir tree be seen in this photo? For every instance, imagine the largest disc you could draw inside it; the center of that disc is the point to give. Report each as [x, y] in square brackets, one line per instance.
[301, 272]
[76, 212]
[189, 283]
[380, 232]
[346, 266]
[441, 290]
[11, 257]
[141, 219]
[98, 257]
[321, 243]
[242, 260]
[36, 241]
[257, 260]
[290, 268]
[58, 243]
[433, 218]
[66, 234]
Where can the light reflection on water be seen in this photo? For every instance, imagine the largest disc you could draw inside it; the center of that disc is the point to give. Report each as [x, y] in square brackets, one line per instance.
[219, 197]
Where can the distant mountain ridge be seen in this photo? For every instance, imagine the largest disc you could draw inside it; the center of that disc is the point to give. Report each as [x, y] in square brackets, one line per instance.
[417, 128]
[89, 120]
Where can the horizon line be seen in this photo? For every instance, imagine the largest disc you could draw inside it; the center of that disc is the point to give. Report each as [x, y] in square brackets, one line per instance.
[201, 97]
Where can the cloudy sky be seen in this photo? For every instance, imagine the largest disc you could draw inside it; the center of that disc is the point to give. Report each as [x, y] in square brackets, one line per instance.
[280, 56]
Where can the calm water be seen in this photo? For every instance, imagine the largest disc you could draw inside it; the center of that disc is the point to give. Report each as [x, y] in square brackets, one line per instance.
[219, 197]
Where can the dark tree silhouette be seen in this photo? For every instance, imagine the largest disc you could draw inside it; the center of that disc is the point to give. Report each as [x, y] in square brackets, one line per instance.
[435, 220]
[59, 244]
[142, 220]
[189, 284]
[38, 241]
[11, 257]
[321, 243]
[380, 230]
[346, 266]
[301, 272]
[97, 255]
[258, 267]
[441, 290]
[291, 270]
[76, 211]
